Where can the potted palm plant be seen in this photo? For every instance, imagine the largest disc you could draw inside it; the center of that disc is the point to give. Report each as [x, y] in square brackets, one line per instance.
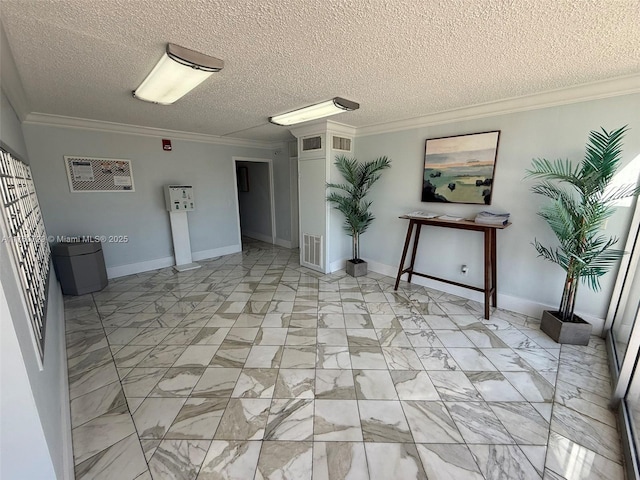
[359, 177]
[582, 198]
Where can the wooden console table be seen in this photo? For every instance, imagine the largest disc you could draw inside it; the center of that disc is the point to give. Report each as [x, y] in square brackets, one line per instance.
[490, 275]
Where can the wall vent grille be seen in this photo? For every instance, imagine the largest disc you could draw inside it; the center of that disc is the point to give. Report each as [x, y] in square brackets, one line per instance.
[312, 250]
[342, 143]
[312, 143]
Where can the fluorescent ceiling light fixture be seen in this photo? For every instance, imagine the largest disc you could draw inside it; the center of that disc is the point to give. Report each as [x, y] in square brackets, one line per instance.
[179, 71]
[312, 112]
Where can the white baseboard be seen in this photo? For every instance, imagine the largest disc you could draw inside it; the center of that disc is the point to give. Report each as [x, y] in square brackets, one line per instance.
[140, 267]
[524, 306]
[215, 252]
[283, 243]
[67, 442]
[257, 236]
[337, 265]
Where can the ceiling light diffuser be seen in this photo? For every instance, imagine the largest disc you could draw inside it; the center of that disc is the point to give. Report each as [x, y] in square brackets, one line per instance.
[178, 72]
[312, 112]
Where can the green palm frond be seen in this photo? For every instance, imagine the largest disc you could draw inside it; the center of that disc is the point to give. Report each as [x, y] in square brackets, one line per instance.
[549, 189]
[559, 170]
[348, 167]
[581, 199]
[342, 186]
[359, 178]
[554, 256]
[600, 265]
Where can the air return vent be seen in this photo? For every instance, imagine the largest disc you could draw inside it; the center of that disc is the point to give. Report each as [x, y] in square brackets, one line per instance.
[312, 250]
[342, 143]
[312, 143]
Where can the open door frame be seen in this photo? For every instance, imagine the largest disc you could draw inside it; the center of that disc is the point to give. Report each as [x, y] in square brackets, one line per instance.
[272, 202]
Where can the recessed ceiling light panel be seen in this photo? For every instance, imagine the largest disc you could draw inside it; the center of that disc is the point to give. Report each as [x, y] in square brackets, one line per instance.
[313, 112]
[178, 72]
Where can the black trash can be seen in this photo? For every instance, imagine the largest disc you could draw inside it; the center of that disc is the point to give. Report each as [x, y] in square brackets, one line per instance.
[79, 267]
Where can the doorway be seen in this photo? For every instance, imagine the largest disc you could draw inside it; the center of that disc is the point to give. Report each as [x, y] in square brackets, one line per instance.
[255, 198]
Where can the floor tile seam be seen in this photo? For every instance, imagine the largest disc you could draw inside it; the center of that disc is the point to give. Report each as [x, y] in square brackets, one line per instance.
[120, 380]
[492, 412]
[553, 406]
[108, 412]
[578, 384]
[127, 409]
[605, 399]
[575, 362]
[561, 477]
[86, 369]
[530, 367]
[621, 462]
[512, 384]
[94, 332]
[571, 367]
[106, 447]
[547, 423]
[585, 417]
[93, 389]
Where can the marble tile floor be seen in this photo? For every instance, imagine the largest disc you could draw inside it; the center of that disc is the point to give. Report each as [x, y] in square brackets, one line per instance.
[253, 367]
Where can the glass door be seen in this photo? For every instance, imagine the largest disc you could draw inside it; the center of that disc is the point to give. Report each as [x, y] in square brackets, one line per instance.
[623, 345]
[625, 320]
[632, 403]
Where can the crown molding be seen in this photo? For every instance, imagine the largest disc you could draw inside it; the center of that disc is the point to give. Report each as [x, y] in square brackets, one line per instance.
[323, 126]
[626, 85]
[309, 128]
[102, 126]
[341, 129]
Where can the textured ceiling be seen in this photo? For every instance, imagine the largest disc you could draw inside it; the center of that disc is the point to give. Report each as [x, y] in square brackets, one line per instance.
[398, 59]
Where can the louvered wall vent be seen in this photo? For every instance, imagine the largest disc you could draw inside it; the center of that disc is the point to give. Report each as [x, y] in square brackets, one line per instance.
[312, 143]
[342, 143]
[312, 250]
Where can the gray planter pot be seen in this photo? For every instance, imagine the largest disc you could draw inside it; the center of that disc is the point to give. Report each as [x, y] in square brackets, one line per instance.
[572, 333]
[358, 269]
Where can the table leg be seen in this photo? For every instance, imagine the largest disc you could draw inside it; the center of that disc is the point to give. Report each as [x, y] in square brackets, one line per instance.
[415, 249]
[404, 253]
[494, 269]
[487, 271]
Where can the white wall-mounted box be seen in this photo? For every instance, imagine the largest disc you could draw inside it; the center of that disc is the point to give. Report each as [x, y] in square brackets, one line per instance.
[179, 198]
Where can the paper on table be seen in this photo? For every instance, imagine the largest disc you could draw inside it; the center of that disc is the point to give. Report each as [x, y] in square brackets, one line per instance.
[450, 217]
[422, 214]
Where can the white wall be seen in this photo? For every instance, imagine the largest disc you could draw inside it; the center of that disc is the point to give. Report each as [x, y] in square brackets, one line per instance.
[557, 132]
[10, 128]
[313, 206]
[255, 205]
[140, 215]
[282, 195]
[35, 432]
[293, 195]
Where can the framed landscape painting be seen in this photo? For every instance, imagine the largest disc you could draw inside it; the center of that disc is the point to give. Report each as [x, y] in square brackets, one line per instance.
[460, 169]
